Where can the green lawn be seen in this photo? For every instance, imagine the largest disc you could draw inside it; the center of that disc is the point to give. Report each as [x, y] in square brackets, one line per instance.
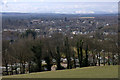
[88, 72]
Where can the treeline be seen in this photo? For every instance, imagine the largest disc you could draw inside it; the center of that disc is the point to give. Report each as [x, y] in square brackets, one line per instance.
[32, 50]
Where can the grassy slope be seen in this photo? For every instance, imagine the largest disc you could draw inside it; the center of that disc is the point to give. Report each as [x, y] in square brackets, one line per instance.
[88, 72]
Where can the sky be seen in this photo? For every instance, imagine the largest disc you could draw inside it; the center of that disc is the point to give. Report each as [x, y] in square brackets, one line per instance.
[61, 0]
[60, 6]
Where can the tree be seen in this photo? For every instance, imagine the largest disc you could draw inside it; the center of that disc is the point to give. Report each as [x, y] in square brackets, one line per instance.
[47, 53]
[86, 59]
[37, 50]
[78, 52]
[58, 58]
[99, 59]
[48, 61]
[104, 58]
[81, 52]
[56, 48]
[30, 32]
[74, 59]
[5, 55]
[67, 52]
[113, 59]
[108, 58]
[21, 51]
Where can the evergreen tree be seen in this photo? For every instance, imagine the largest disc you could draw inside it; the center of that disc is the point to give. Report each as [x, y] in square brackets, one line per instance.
[81, 52]
[37, 50]
[58, 58]
[78, 52]
[86, 59]
[67, 51]
[74, 60]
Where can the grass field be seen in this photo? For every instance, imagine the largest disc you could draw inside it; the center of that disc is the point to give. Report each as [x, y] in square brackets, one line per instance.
[88, 72]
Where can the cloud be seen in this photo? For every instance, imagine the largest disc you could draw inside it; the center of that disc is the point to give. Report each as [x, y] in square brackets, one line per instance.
[4, 3]
[84, 12]
[59, 7]
[64, 0]
[41, 0]
[15, 0]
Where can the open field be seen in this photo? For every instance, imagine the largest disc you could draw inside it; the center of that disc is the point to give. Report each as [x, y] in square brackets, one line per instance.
[88, 72]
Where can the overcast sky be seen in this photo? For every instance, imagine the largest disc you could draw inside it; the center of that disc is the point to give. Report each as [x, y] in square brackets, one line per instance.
[61, 0]
[67, 6]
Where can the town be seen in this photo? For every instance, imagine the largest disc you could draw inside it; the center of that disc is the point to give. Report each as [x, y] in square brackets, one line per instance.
[49, 42]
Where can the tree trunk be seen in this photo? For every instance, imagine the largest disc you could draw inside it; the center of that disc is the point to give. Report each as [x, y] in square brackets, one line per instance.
[104, 58]
[99, 59]
[118, 56]
[39, 65]
[68, 59]
[16, 68]
[78, 55]
[58, 65]
[67, 51]
[108, 58]
[24, 67]
[113, 59]
[29, 66]
[81, 56]
[70, 64]
[93, 59]
[21, 68]
[11, 69]
[58, 59]
[86, 59]
[48, 61]
[6, 65]
[81, 53]
[74, 60]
